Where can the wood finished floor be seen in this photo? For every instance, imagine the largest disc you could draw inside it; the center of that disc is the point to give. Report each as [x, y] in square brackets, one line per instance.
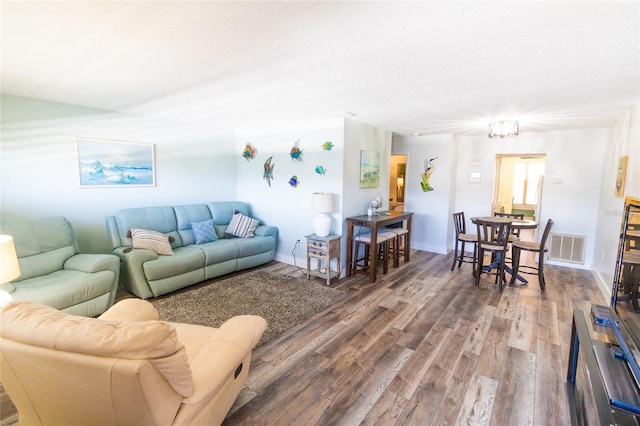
[422, 346]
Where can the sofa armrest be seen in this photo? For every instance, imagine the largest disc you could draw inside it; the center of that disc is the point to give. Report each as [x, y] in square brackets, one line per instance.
[220, 356]
[266, 231]
[8, 287]
[132, 275]
[131, 310]
[91, 263]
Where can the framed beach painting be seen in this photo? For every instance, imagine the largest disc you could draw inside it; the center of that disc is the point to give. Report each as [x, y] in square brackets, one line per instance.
[109, 163]
[369, 169]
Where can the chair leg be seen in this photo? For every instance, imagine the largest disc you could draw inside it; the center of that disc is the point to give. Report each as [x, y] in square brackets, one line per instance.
[541, 271]
[475, 258]
[455, 255]
[385, 257]
[479, 270]
[461, 256]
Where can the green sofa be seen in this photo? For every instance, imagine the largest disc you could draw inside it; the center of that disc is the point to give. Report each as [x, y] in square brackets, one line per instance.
[54, 273]
[148, 273]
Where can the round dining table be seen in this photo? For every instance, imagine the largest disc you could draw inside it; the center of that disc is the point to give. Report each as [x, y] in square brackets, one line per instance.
[515, 224]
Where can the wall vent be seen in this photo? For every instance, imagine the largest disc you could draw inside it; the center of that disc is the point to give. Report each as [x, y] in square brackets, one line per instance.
[567, 248]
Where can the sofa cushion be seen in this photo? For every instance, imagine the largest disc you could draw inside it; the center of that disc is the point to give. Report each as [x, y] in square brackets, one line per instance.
[222, 211]
[219, 251]
[242, 226]
[157, 242]
[154, 341]
[160, 219]
[187, 214]
[64, 288]
[185, 259]
[253, 246]
[204, 232]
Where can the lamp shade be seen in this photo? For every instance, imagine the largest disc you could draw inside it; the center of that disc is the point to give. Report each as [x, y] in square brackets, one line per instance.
[322, 202]
[503, 129]
[9, 268]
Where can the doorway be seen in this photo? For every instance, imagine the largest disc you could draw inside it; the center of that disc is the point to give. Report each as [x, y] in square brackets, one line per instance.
[397, 182]
[519, 184]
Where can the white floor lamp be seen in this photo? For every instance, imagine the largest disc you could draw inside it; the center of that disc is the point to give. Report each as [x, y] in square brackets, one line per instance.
[9, 267]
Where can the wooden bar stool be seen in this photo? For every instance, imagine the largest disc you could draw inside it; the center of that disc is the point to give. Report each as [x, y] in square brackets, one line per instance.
[382, 249]
[493, 237]
[461, 238]
[398, 243]
[518, 246]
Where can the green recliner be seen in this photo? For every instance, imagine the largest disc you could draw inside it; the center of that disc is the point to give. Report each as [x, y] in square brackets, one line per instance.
[54, 273]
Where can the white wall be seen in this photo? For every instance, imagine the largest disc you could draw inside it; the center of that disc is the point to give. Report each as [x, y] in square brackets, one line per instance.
[280, 204]
[359, 136]
[39, 173]
[573, 156]
[624, 140]
[431, 209]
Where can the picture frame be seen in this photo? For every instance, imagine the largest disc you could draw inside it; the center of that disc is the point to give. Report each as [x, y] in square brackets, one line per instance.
[369, 169]
[621, 176]
[112, 163]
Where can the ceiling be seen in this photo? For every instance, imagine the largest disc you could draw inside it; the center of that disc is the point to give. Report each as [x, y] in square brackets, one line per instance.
[409, 67]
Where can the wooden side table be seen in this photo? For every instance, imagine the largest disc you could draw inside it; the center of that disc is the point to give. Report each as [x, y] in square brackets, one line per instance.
[323, 250]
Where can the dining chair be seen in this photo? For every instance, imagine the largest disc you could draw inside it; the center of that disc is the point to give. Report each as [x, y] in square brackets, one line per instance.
[515, 232]
[460, 239]
[493, 237]
[539, 248]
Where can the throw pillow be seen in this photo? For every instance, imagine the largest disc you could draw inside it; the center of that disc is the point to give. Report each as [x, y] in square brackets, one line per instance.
[242, 226]
[204, 231]
[151, 240]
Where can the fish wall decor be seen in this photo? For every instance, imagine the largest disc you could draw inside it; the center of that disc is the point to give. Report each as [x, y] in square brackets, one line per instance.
[296, 152]
[327, 146]
[268, 170]
[249, 152]
[294, 182]
[321, 170]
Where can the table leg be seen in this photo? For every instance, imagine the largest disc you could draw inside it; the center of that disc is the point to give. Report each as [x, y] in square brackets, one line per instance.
[373, 253]
[407, 248]
[349, 247]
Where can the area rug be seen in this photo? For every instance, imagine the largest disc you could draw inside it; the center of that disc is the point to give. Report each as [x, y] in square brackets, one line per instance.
[282, 300]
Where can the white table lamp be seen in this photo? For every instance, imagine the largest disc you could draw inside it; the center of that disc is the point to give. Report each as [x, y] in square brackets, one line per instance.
[9, 267]
[322, 203]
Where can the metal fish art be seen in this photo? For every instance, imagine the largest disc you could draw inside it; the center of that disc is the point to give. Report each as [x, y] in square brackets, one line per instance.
[320, 170]
[268, 171]
[296, 152]
[327, 146]
[249, 152]
[294, 182]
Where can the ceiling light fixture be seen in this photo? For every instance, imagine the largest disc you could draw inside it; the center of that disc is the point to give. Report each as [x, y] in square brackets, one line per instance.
[503, 129]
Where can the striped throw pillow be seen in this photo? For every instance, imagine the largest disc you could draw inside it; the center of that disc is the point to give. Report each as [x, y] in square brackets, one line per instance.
[242, 226]
[151, 240]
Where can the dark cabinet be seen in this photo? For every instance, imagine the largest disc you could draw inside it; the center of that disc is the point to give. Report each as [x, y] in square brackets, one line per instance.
[603, 374]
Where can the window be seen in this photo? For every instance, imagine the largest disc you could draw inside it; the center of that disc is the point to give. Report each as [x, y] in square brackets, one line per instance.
[525, 182]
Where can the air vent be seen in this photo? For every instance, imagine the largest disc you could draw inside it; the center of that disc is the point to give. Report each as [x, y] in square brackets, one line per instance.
[567, 248]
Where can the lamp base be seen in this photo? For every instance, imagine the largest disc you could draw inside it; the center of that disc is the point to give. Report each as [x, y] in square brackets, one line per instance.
[322, 225]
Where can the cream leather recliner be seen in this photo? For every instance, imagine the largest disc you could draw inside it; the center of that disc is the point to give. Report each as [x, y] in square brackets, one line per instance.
[124, 367]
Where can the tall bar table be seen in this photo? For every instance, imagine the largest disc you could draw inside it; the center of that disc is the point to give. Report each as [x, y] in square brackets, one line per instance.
[379, 220]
